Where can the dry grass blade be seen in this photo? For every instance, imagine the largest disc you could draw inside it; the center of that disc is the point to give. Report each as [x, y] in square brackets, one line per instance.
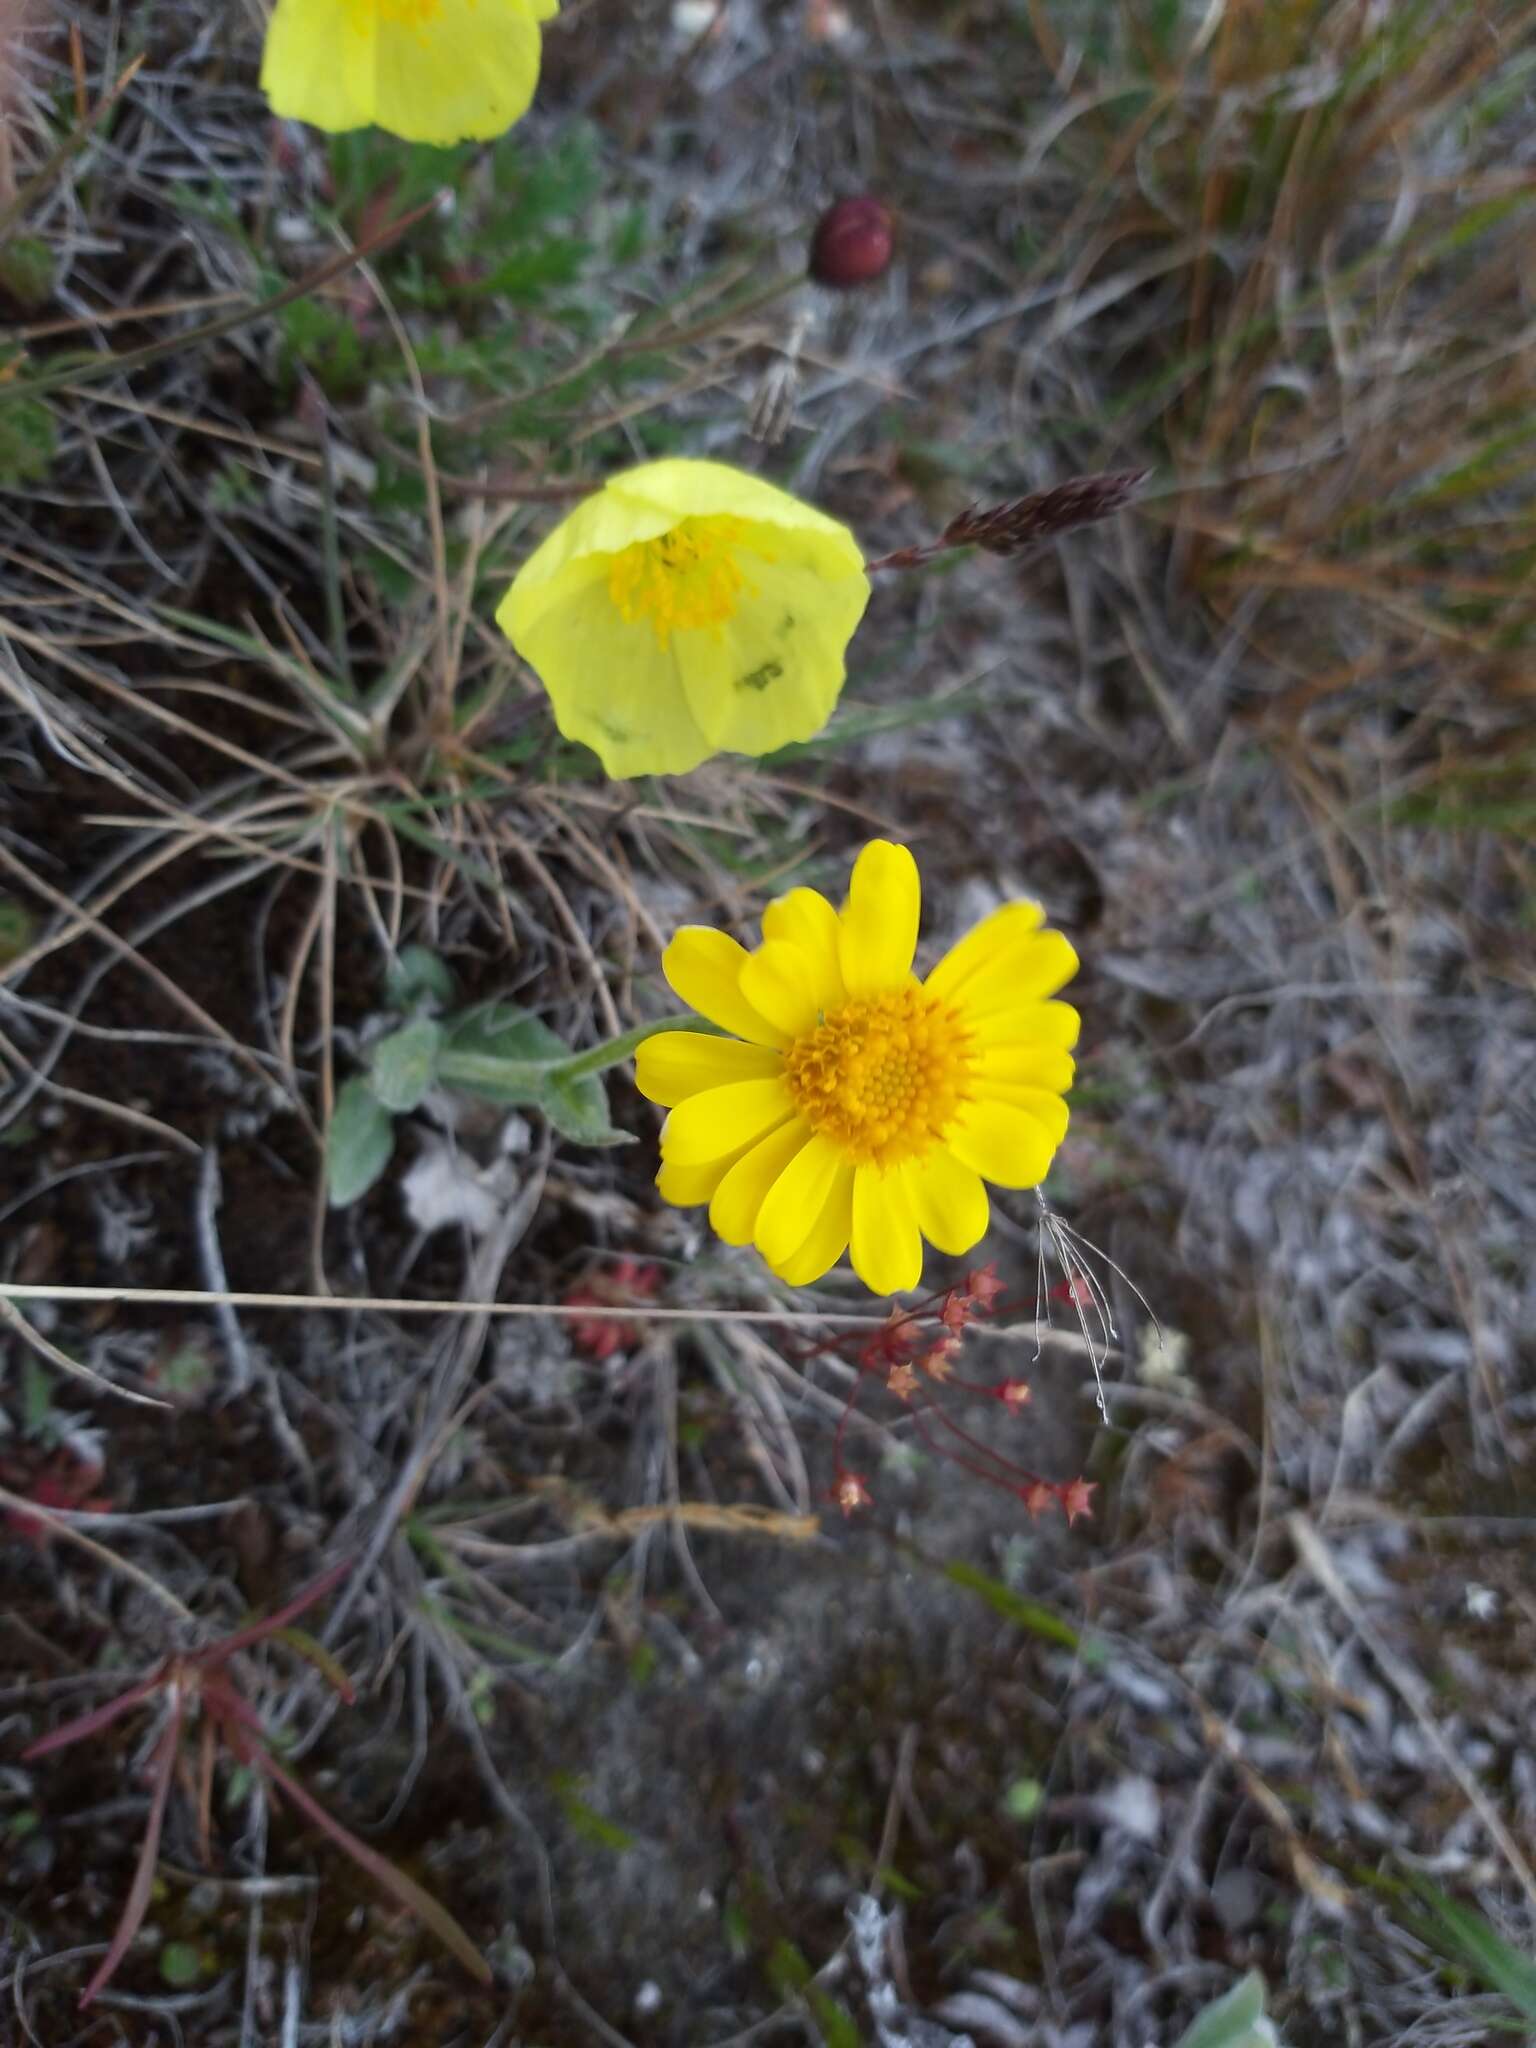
[1414, 1692]
[227, 323]
[388, 1876]
[79, 919]
[93, 1722]
[810, 1319]
[46, 1348]
[57, 1525]
[590, 1522]
[26, 196]
[302, 1601]
[161, 1770]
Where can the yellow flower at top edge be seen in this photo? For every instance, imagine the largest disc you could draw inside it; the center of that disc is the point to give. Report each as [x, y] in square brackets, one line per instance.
[857, 1108]
[688, 609]
[438, 71]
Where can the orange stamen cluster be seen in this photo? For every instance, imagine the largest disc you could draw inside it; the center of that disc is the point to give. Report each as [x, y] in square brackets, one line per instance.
[684, 579]
[884, 1076]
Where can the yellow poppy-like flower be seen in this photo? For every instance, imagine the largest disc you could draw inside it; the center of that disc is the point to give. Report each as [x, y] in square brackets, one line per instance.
[857, 1106]
[427, 70]
[688, 609]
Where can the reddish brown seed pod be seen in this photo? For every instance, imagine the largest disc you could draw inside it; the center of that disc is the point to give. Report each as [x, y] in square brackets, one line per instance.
[853, 243]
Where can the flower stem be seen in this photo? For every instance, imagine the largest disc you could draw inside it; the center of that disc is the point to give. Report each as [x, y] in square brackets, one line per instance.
[615, 1051]
[526, 1080]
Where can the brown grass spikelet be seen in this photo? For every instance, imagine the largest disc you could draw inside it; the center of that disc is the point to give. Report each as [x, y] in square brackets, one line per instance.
[1020, 523]
[1041, 515]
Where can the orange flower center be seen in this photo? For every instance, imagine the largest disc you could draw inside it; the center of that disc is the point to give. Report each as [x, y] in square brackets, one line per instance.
[885, 1076]
[683, 579]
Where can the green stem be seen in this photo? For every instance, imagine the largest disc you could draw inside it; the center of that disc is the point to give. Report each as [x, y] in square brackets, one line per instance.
[509, 1080]
[476, 1069]
[617, 1050]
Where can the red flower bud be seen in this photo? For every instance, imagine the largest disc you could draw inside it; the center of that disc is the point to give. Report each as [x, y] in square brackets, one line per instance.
[1077, 1499]
[984, 1287]
[852, 244]
[851, 1493]
[955, 1313]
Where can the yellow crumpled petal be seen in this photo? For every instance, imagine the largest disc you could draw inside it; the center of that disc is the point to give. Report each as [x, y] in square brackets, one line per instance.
[773, 674]
[439, 71]
[611, 689]
[658, 704]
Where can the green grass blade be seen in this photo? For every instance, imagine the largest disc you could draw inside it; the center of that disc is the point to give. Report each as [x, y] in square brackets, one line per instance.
[1463, 1933]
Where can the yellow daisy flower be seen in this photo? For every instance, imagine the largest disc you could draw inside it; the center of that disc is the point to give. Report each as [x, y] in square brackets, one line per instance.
[856, 1105]
[688, 609]
[428, 70]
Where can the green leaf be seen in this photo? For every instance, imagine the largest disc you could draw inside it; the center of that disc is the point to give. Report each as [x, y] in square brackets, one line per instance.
[855, 722]
[499, 1645]
[788, 1970]
[499, 1030]
[1023, 1798]
[367, 163]
[188, 1373]
[314, 1652]
[524, 276]
[834, 2022]
[36, 1395]
[737, 1930]
[181, 1964]
[16, 928]
[1235, 2020]
[578, 1109]
[1468, 1937]
[362, 1137]
[26, 271]
[1027, 1614]
[507, 1055]
[415, 975]
[403, 1066]
[586, 1821]
[28, 437]
[327, 343]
